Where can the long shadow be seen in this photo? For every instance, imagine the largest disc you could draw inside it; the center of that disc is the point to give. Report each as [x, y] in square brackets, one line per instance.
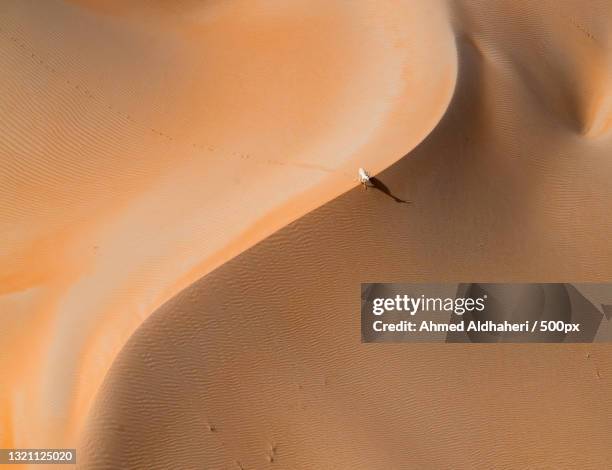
[377, 184]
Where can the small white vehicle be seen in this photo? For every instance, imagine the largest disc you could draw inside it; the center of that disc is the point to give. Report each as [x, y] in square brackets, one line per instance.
[364, 177]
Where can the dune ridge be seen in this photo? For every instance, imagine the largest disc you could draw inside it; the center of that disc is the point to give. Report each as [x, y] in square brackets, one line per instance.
[259, 363]
[146, 144]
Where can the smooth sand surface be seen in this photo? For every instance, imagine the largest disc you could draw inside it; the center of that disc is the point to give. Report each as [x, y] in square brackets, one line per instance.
[144, 144]
[258, 364]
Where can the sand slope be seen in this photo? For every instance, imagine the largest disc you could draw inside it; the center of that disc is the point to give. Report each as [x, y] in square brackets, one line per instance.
[144, 144]
[259, 364]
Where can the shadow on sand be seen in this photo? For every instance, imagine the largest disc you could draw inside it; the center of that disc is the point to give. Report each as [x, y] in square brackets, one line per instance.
[377, 184]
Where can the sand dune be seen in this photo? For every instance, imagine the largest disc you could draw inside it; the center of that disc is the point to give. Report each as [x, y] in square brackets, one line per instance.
[259, 363]
[145, 144]
[175, 150]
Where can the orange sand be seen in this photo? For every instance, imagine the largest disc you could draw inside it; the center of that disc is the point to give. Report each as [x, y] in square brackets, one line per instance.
[146, 144]
[143, 146]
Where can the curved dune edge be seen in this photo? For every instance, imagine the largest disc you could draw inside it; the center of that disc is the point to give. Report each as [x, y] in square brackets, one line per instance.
[259, 365]
[561, 54]
[116, 199]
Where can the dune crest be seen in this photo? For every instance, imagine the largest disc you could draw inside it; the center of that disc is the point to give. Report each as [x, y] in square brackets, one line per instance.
[146, 144]
[259, 363]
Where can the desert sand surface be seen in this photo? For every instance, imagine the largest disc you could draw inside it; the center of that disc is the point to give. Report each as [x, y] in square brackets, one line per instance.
[199, 160]
[145, 144]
